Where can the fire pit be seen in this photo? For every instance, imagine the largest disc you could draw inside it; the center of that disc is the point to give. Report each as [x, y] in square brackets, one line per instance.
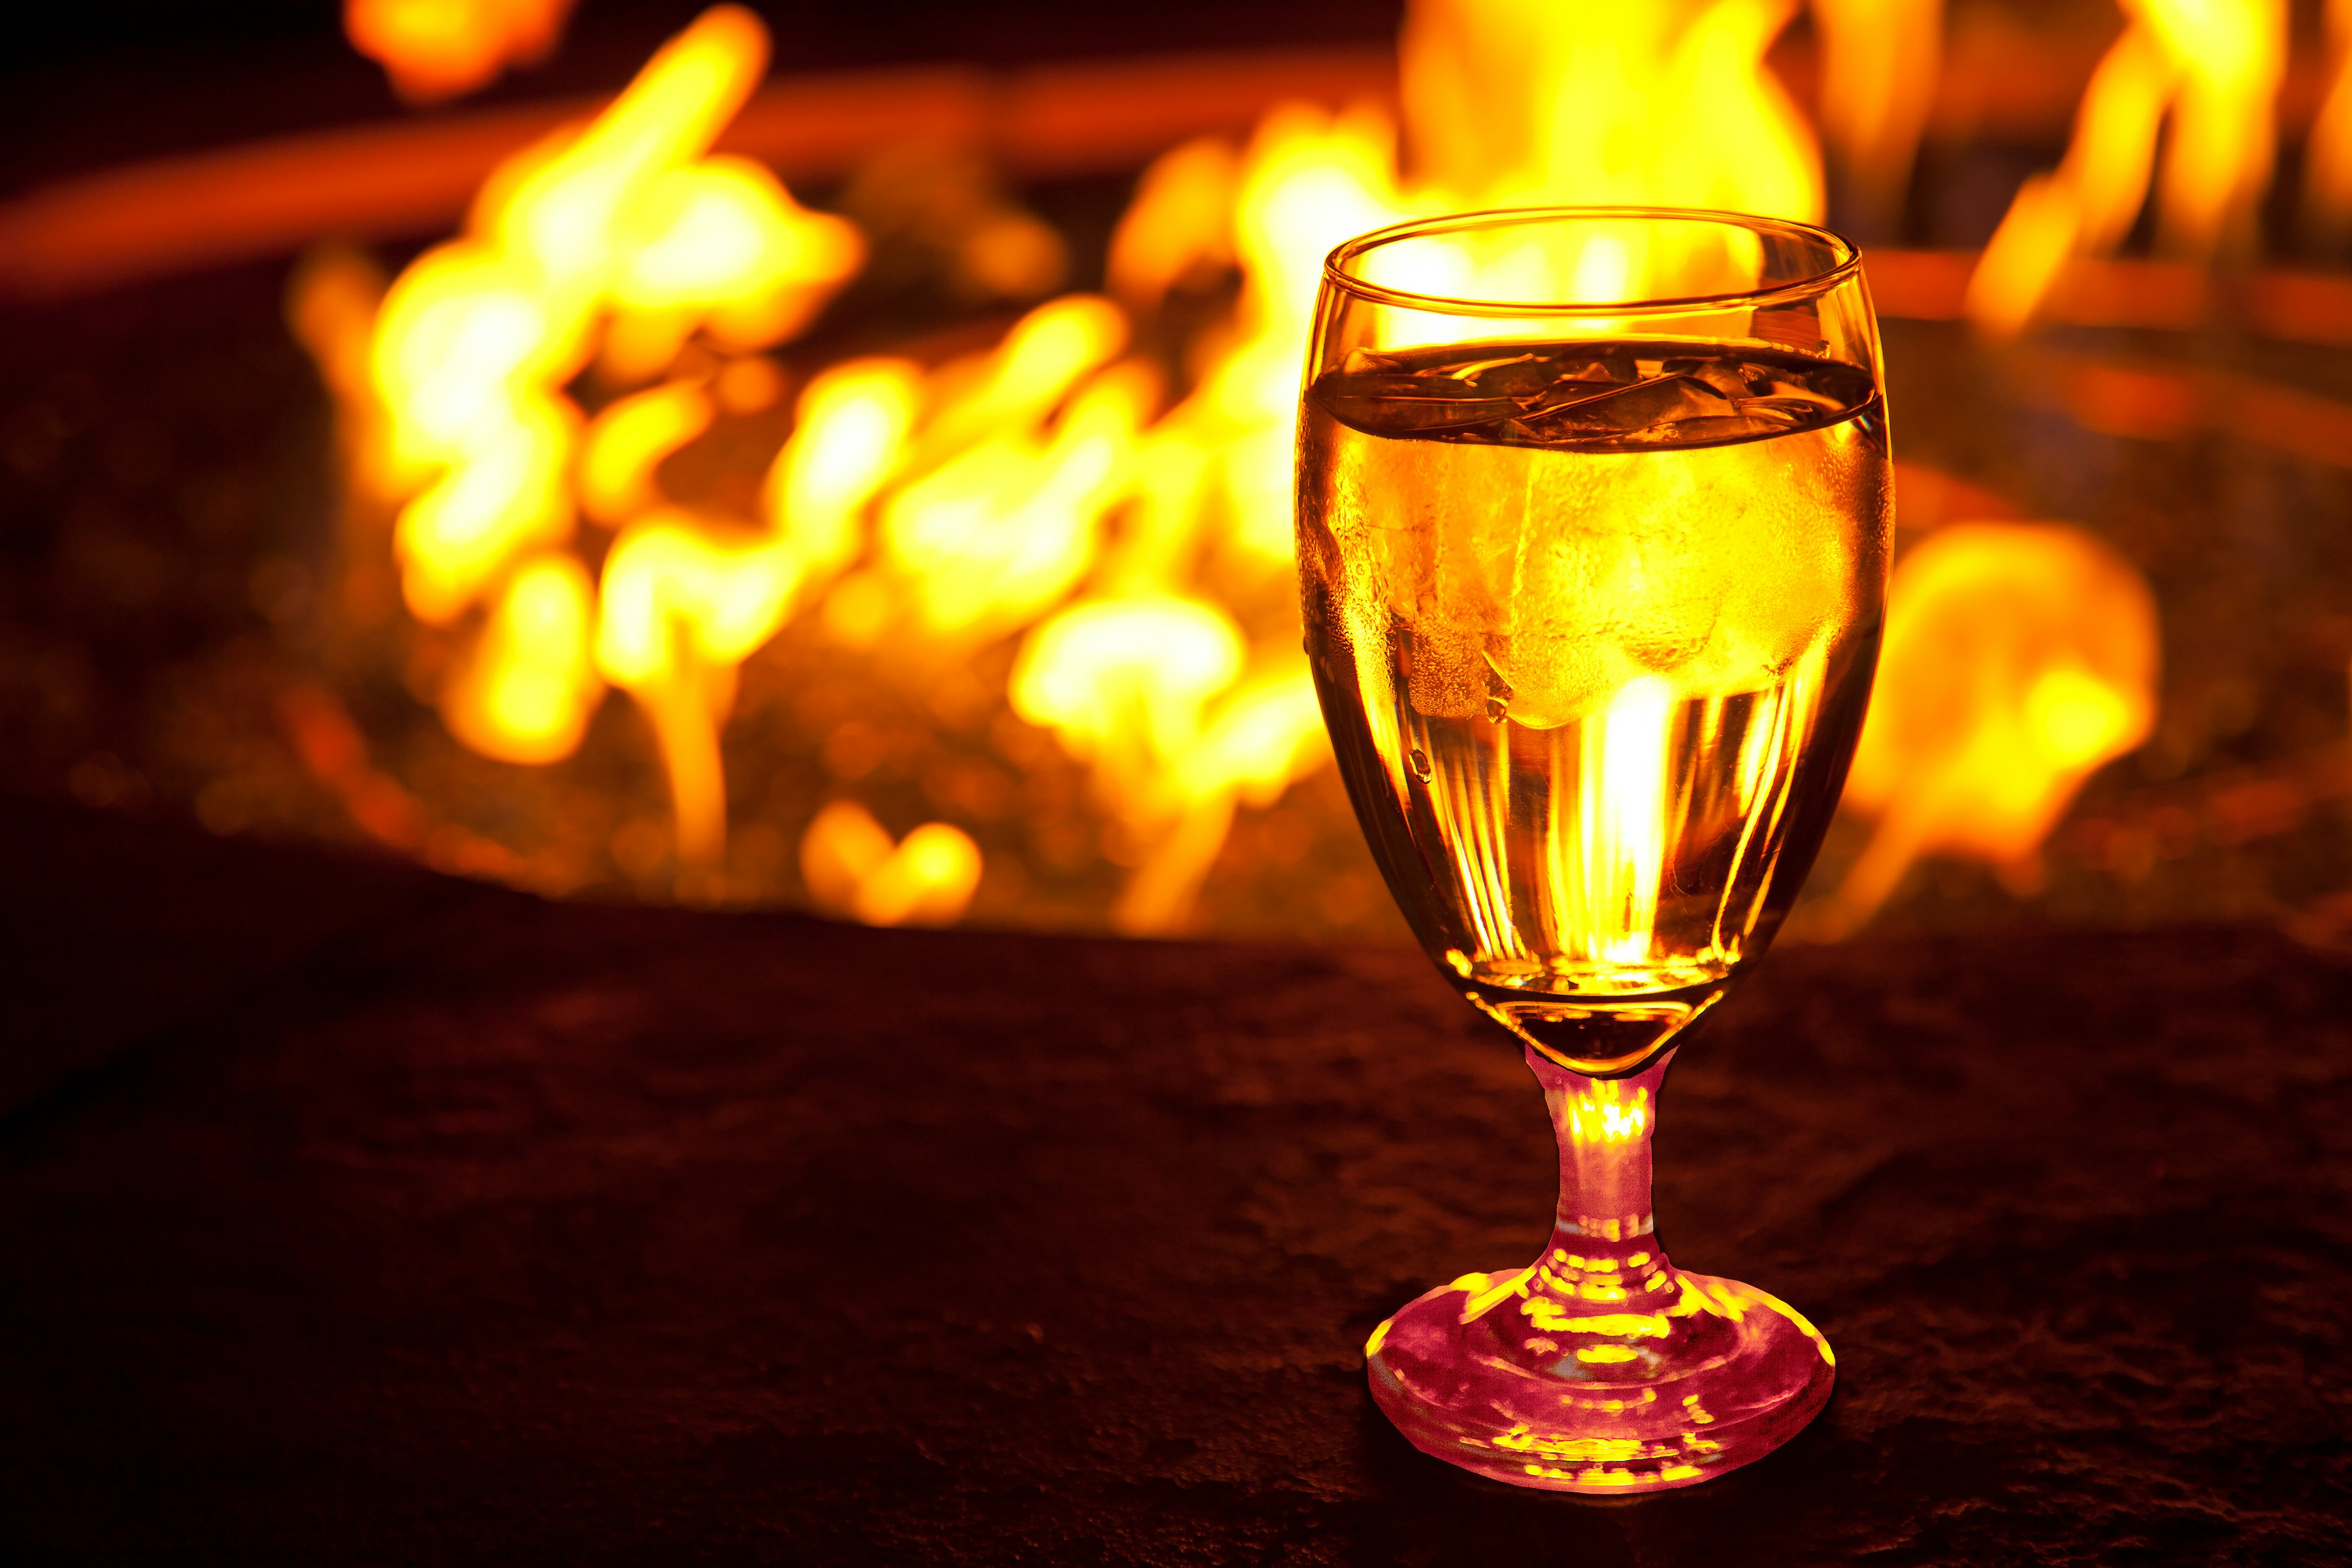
[936, 588]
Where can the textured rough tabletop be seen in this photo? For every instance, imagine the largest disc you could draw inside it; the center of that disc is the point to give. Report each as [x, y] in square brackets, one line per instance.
[351, 1214]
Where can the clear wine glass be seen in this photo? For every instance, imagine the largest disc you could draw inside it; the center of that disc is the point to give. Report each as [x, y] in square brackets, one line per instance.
[1593, 510]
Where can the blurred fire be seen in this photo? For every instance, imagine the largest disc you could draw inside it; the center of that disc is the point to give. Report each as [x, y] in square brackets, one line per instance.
[1115, 510]
[2210, 69]
[1878, 79]
[852, 867]
[1667, 104]
[434, 49]
[614, 243]
[2327, 162]
[2019, 657]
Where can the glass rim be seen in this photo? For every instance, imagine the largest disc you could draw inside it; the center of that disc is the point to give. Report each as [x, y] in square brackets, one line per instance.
[1847, 263]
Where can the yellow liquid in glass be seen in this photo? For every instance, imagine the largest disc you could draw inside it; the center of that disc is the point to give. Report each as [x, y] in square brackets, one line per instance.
[1593, 627]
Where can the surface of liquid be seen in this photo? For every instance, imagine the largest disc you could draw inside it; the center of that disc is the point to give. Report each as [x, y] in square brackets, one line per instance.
[1593, 627]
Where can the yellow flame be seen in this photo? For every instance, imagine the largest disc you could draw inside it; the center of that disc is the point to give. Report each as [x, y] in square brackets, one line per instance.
[1880, 60]
[720, 244]
[2217, 162]
[507, 496]
[2078, 720]
[1126, 682]
[682, 605]
[1135, 686]
[629, 440]
[1604, 891]
[1005, 528]
[2018, 658]
[852, 867]
[476, 338]
[2213, 67]
[849, 439]
[528, 691]
[1594, 102]
[618, 239]
[1260, 738]
[434, 49]
[1179, 225]
[1310, 182]
[1045, 354]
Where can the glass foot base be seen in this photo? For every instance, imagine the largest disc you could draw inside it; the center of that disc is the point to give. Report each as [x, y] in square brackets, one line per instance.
[1612, 1373]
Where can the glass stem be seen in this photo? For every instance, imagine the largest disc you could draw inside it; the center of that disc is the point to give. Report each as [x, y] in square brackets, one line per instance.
[1604, 1126]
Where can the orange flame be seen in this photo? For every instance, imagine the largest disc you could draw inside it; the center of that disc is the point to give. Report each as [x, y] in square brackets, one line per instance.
[615, 241]
[1132, 685]
[529, 687]
[2018, 658]
[852, 867]
[2214, 68]
[1880, 60]
[684, 604]
[2327, 168]
[629, 440]
[434, 49]
[1179, 226]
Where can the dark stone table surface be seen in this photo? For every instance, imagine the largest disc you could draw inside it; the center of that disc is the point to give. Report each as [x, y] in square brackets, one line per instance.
[351, 1214]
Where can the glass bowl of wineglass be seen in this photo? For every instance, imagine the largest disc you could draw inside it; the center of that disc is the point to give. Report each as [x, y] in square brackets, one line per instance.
[1594, 518]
